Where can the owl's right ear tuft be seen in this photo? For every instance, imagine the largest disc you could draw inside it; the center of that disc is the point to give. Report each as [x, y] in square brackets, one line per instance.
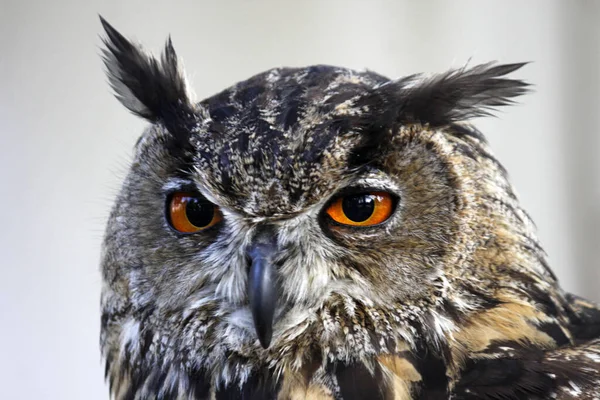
[150, 88]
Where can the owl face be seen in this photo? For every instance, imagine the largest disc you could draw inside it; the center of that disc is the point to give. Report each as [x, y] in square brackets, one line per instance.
[325, 219]
[304, 211]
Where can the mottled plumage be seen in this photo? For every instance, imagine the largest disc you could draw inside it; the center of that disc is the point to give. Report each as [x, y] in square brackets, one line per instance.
[450, 297]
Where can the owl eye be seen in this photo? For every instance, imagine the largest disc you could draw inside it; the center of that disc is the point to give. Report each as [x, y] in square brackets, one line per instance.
[362, 209]
[190, 213]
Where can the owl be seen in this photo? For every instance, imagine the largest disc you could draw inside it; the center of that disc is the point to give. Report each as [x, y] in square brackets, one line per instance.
[325, 233]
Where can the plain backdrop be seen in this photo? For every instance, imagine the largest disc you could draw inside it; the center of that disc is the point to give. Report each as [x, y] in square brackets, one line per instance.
[65, 142]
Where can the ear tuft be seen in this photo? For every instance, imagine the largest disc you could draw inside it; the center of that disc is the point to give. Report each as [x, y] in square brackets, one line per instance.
[458, 95]
[153, 89]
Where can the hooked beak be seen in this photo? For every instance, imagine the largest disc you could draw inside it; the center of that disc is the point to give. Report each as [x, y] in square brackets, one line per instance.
[262, 288]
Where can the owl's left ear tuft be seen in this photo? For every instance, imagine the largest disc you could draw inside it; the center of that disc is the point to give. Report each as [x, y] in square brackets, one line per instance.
[150, 88]
[458, 95]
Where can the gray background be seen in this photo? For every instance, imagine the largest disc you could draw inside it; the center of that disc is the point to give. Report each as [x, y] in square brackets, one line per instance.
[65, 142]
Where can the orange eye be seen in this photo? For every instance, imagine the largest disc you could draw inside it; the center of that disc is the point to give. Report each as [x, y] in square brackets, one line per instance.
[362, 209]
[189, 213]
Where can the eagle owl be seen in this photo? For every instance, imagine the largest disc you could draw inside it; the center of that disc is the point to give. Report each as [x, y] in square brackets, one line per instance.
[324, 233]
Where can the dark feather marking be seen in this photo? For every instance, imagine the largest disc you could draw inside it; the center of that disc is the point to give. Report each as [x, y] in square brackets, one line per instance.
[147, 336]
[450, 310]
[155, 381]
[431, 365]
[291, 107]
[107, 365]
[199, 383]
[130, 394]
[312, 364]
[317, 75]
[248, 95]
[585, 320]
[459, 131]
[503, 378]
[555, 332]
[259, 386]
[289, 117]
[434, 382]
[521, 372]
[339, 98]
[547, 303]
[220, 114]
[225, 167]
[483, 299]
[135, 382]
[528, 284]
[466, 150]
[356, 382]
[104, 320]
[376, 128]
[216, 128]
[327, 131]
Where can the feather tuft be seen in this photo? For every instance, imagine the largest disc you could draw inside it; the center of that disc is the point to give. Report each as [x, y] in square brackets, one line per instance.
[457, 95]
[153, 89]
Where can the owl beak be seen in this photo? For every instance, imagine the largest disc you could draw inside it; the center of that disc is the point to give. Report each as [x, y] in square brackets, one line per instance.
[262, 289]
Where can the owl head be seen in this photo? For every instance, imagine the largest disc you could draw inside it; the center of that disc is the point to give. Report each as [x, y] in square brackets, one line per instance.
[303, 218]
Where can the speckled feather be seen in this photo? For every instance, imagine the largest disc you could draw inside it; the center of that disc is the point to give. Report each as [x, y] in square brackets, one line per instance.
[451, 297]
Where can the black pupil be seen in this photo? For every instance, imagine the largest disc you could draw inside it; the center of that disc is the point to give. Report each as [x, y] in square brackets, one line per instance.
[358, 207]
[199, 212]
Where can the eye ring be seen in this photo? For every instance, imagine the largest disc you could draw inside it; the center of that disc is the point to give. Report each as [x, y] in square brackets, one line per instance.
[362, 209]
[191, 213]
